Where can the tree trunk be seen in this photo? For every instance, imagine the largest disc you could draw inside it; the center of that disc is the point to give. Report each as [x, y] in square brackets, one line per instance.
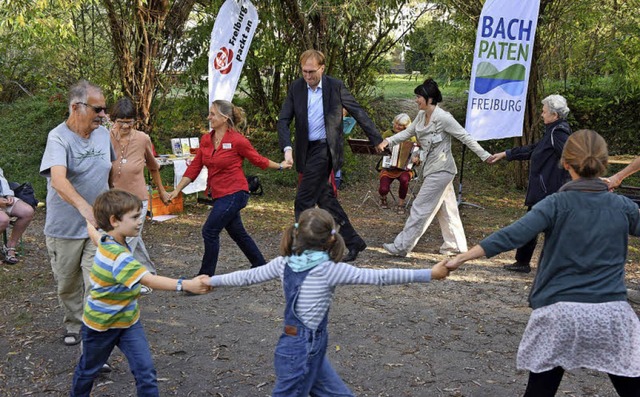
[143, 39]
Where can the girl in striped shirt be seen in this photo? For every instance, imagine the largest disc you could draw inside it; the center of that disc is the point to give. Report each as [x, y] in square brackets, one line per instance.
[310, 269]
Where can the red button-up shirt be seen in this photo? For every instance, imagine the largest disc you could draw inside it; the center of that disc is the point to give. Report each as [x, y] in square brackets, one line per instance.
[224, 164]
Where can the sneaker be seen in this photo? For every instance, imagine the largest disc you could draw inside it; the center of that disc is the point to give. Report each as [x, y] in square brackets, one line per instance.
[449, 252]
[518, 267]
[391, 248]
[144, 290]
[633, 295]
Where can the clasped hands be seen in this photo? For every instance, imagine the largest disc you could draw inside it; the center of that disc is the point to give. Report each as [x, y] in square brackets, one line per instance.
[198, 285]
[442, 269]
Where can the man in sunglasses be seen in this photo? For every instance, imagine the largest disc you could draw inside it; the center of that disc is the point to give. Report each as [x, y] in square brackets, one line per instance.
[76, 163]
[316, 102]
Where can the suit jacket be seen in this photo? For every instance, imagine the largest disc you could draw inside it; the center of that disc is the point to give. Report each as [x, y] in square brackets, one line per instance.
[335, 96]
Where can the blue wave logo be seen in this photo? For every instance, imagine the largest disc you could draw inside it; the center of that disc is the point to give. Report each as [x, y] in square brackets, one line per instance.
[511, 79]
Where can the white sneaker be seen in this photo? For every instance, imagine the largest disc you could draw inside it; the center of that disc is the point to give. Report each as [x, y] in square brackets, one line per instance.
[144, 290]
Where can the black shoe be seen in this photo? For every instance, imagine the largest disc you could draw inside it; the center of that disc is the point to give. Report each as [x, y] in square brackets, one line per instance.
[518, 267]
[353, 252]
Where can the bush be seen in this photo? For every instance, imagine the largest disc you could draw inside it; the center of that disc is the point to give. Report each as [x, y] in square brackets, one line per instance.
[24, 126]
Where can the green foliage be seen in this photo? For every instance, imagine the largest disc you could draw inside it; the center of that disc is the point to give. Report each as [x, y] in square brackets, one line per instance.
[62, 42]
[24, 125]
[441, 48]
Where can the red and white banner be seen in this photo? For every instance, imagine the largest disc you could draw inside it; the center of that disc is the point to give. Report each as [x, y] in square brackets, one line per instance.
[231, 37]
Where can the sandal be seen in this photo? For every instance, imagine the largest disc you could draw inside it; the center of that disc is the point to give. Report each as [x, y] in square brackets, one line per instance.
[383, 203]
[401, 210]
[71, 339]
[10, 256]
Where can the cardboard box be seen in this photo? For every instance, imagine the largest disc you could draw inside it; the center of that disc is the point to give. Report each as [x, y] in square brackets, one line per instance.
[158, 208]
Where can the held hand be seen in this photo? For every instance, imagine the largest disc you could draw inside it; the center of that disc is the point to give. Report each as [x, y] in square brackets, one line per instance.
[613, 181]
[415, 160]
[173, 195]
[454, 263]
[94, 234]
[286, 165]
[382, 145]
[439, 271]
[288, 157]
[87, 213]
[165, 197]
[197, 285]
[494, 158]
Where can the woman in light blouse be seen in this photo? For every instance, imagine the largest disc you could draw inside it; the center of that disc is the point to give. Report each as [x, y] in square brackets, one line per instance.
[134, 153]
[433, 128]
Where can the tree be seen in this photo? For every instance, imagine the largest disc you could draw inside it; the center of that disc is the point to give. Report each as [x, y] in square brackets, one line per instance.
[144, 38]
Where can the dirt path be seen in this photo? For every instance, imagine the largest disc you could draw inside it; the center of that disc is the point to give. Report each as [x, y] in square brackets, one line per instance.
[457, 337]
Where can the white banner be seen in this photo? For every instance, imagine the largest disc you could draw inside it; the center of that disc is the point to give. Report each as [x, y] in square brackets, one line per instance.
[231, 37]
[501, 66]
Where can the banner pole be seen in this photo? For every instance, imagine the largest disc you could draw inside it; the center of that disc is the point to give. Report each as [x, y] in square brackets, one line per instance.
[460, 202]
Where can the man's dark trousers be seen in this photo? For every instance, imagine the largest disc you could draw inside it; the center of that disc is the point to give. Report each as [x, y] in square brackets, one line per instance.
[314, 188]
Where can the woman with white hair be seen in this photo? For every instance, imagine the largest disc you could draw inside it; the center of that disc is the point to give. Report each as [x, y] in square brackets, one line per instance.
[546, 175]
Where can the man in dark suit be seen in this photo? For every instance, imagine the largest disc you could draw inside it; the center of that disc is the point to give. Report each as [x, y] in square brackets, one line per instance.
[316, 102]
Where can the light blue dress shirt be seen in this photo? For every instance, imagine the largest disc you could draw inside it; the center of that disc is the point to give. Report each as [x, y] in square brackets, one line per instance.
[315, 114]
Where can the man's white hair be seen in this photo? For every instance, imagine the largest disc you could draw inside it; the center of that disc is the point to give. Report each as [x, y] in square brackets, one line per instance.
[79, 92]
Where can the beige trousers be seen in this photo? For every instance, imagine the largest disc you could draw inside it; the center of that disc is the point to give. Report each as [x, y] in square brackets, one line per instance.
[71, 262]
[436, 198]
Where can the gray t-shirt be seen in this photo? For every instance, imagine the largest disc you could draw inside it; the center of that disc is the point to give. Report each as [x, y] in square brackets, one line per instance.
[88, 163]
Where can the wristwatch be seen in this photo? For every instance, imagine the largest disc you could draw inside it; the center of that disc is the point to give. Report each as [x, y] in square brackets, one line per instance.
[179, 285]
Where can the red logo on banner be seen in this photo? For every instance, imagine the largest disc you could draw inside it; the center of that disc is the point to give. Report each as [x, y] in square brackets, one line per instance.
[223, 59]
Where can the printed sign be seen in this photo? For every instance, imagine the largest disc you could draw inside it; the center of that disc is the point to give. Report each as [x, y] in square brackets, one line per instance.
[231, 37]
[500, 71]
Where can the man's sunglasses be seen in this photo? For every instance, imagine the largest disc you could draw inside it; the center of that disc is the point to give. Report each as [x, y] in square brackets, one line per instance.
[96, 109]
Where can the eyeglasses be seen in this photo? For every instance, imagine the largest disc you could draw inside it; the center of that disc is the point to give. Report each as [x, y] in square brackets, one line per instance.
[97, 109]
[123, 123]
[311, 71]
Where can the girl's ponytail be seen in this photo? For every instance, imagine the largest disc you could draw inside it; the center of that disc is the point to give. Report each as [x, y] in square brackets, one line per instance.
[286, 243]
[336, 247]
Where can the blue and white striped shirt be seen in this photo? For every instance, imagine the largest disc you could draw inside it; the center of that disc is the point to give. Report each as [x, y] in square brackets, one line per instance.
[317, 289]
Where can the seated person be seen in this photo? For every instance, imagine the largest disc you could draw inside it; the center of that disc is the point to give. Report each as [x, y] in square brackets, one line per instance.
[388, 175]
[11, 206]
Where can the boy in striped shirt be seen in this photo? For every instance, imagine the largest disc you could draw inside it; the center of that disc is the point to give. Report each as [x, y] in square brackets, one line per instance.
[111, 314]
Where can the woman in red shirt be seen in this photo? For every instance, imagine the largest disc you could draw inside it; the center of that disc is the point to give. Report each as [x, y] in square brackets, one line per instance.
[222, 151]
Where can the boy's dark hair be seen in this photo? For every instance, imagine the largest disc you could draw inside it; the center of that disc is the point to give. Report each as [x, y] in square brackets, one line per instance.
[316, 230]
[114, 202]
[429, 89]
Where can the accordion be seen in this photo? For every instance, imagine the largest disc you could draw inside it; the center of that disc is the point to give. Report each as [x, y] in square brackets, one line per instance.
[400, 156]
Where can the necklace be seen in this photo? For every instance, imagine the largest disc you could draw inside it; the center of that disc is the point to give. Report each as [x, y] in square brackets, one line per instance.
[124, 149]
[217, 140]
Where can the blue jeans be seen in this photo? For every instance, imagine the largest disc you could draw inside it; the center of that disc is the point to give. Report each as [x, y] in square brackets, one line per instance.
[96, 349]
[225, 214]
[302, 368]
